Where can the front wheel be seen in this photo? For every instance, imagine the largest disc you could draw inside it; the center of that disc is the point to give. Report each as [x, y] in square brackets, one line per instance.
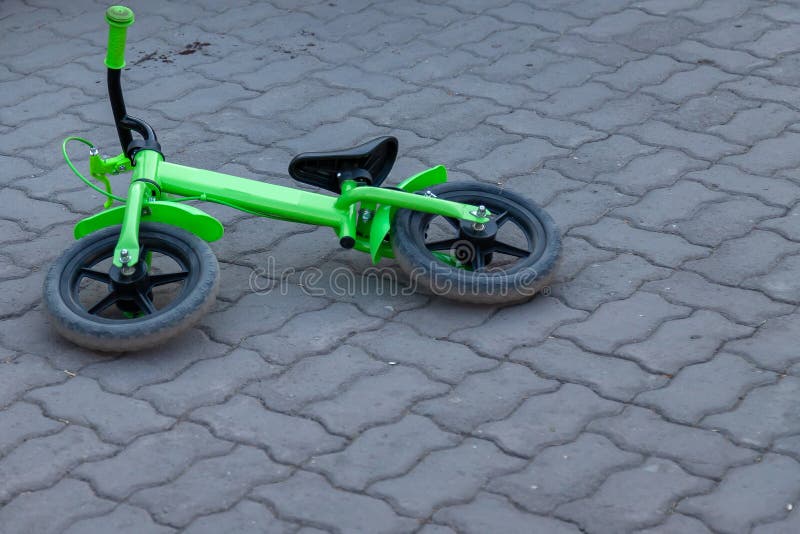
[507, 260]
[92, 304]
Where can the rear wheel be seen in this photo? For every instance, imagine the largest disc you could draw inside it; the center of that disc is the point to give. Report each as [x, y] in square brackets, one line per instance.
[91, 303]
[507, 260]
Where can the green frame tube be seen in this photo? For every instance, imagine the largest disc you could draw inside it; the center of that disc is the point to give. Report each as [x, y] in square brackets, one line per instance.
[155, 179]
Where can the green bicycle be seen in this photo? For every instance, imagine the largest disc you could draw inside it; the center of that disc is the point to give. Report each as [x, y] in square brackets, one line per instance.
[142, 271]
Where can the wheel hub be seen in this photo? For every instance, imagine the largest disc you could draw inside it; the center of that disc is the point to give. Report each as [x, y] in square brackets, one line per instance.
[127, 286]
[469, 231]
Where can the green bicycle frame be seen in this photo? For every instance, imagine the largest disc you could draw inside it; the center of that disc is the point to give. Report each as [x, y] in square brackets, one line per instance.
[361, 215]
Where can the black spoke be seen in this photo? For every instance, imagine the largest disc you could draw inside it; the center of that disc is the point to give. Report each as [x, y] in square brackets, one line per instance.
[95, 275]
[501, 218]
[510, 250]
[169, 278]
[444, 244]
[478, 260]
[455, 223]
[144, 303]
[104, 303]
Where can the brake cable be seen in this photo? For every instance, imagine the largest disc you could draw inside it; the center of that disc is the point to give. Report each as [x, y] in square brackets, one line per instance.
[109, 194]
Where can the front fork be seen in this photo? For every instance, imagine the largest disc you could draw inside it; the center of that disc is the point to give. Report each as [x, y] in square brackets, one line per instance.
[144, 186]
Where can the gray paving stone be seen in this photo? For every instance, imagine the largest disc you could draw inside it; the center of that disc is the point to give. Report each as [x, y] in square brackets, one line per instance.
[232, 476]
[614, 279]
[506, 41]
[615, 24]
[446, 476]
[488, 512]
[23, 374]
[400, 344]
[642, 313]
[441, 317]
[307, 497]
[729, 60]
[610, 54]
[514, 159]
[257, 313]
[314, 378]
[771, 346]
[680, 342]
[665, 205]
[789, 445]
[741, 305]
[23, 469]
[32, 214]
[650, 172]
[207, 382]
[787, 526]
[661, 32]
[684, 85]
[586, 205]
[592, 159]
[563, 74]
[21, 422]
[288, 439]
[698, 145]
[622, 112]
[700, 452]
[528, 14]
[246, 516]
[585, 98]
[542, 185]
[332, 325]
[431, 528]
[752, 125]
[577, 254]
[768, 156]
[677, 524]
[641, 72]
[374, 399]
[788, 225]
[548, 419]
[116, 418]
[564, 473]
[705, 388]
[612, 377]
[512, 66]
[124, 519]
[126, 374]
[524, 324]
[503, 94]
[760, 88]
[152, 460]
[780, 283]
[558, 132]
[748, 494]
[659, 248]
[53, 509]
[484, 397]
[720, 221]
[383, 452]
[737, 259]
[635, 498]
[764, 414]
[701, 113]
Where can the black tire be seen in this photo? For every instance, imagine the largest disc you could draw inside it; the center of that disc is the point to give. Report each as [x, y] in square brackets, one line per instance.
[503, 285]
[195, 296]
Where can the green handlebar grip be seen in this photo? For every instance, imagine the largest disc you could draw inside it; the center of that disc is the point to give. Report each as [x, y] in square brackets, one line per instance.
[118, 18]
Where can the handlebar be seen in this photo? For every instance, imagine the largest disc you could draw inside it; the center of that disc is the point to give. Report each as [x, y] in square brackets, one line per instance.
[118, 19]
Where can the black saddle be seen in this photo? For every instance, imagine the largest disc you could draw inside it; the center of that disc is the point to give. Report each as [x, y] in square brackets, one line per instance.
[369, 164]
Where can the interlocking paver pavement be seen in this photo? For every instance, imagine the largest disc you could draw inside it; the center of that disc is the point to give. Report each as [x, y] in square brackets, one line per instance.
[652, 389]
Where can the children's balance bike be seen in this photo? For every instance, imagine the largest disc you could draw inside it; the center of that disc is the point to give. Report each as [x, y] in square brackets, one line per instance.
[142, 271]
